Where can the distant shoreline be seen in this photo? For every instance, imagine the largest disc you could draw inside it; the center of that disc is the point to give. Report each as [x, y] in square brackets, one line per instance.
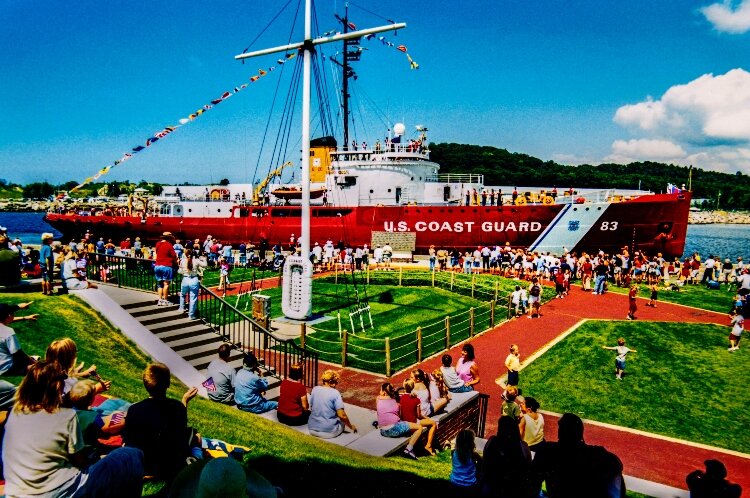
[719, 218]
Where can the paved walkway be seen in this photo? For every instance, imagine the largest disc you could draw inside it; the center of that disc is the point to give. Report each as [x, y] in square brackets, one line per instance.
[644, 456]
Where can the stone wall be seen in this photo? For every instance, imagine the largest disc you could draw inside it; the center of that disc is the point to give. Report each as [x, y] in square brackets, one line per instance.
[709, 217]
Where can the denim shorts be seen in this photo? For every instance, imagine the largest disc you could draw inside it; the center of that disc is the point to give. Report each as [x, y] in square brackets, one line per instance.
[399, 429]
[620, 364]
[163, 273]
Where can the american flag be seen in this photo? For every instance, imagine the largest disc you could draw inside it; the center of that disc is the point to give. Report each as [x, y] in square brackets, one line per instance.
[117, 418]
[209, 384]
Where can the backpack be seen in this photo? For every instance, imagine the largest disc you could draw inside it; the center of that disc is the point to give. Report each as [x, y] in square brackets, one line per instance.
[535, 290]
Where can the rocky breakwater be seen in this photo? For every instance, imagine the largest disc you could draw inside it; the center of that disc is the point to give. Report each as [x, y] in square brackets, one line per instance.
[710, 217]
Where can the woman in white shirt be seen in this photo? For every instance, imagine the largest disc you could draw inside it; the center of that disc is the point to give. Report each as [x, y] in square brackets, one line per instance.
[532, 425]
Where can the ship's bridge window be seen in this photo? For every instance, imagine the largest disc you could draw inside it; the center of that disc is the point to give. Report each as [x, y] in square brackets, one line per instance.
[286, 212]
[165, 209]
[347, 181]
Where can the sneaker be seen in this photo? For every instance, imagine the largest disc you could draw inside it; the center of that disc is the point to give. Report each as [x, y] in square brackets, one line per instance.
[410, 454]
[629, 317]
[730, 349]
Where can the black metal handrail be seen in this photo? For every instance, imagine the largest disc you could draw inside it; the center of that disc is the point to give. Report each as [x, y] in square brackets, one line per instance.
[234, 327]
[124, 271]
[247, 335]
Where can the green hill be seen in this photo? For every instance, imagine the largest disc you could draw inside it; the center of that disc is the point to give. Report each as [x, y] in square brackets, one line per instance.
[501, 167]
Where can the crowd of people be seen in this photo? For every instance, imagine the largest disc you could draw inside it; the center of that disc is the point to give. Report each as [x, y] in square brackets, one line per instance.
[55, 444]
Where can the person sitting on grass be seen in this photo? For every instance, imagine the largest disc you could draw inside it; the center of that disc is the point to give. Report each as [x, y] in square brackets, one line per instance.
[250, 386]
[294, 408]
[64, 352]
[158, 425]
[327, 415]
[622, 351]
[465, 464]
[13, 359]
[71, 275]
[390, 418]
[43, 449]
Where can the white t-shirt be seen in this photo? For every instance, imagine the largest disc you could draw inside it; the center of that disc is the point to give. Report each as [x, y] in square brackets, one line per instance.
[533, 433]
[622, 351]
[36, 453]
[9, 345]
[738, 323]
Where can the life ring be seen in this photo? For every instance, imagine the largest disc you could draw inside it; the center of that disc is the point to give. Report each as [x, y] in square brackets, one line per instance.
[219, 193]
[547, 200]
[521, 200]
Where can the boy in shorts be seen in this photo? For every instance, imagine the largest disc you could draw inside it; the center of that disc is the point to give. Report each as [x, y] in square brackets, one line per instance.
[622, 351]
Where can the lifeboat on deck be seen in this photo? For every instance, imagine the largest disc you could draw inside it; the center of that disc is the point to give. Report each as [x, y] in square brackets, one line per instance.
[292, 193]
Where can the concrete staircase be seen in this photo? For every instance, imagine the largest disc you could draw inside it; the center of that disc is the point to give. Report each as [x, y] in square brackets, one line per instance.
[193, 340]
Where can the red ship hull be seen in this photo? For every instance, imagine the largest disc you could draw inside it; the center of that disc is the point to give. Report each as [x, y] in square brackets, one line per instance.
[652, 223]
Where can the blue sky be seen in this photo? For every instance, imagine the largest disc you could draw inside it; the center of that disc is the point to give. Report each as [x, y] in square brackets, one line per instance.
[581, 81]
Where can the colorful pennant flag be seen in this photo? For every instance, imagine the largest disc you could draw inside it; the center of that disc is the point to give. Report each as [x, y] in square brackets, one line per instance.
[169, 129]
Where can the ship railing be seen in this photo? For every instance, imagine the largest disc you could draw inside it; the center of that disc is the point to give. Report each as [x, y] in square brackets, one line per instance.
[241, 331]
[456, 178]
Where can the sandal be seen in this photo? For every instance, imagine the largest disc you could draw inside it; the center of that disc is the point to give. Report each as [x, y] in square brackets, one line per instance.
[430, 451]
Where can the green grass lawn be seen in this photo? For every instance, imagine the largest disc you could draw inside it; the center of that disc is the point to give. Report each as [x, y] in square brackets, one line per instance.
[283, 455]
[682, 382]
[396, 314]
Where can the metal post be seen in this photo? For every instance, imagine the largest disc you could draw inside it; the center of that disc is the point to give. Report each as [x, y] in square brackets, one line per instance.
[400, 275]
[387, 356]
[344, 348]
[419, 344]
[492, 313]
[471, 322]
[302, 334]
[447, 333]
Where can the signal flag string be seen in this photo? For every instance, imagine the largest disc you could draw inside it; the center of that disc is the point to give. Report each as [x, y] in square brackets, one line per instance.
[163, 133]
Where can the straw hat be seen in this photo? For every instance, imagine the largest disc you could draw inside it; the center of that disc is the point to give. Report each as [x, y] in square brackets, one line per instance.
[47, 236]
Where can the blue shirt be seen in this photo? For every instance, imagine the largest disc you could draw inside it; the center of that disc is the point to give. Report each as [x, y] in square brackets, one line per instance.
[45, 256]
[463, 473]
[249, 388]
[324, 402]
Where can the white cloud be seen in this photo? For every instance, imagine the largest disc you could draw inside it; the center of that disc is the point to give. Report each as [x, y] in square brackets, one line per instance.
[646, 149]
[710, 110]
[727, 17]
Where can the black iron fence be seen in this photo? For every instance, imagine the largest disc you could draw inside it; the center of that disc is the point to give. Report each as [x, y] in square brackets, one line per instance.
[231, 324]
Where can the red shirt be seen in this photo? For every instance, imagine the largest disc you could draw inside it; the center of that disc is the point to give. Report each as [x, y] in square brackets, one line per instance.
[632, 294]
[289, 398]
[165, 255]
[409, 406]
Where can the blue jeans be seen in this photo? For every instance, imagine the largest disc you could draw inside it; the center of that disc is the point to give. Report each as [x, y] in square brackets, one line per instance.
[432, 263]
[462, 389]
[190, 287]
[599, 287]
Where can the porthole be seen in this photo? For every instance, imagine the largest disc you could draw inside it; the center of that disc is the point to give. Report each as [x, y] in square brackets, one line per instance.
[587, 209]
[372, 191]
[389, 191]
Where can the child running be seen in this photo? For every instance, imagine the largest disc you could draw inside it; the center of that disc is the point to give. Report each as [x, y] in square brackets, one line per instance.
[622, 351]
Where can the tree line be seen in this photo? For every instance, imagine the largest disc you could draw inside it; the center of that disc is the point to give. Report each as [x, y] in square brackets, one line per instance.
[501, 167]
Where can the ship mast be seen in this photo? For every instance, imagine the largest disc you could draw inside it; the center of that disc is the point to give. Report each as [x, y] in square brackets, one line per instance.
[301, 286]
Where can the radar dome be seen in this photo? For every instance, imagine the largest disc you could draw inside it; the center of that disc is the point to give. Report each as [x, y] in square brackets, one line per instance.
[399, 128]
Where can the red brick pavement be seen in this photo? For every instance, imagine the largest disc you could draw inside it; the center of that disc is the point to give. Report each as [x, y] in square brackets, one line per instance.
[645, 457]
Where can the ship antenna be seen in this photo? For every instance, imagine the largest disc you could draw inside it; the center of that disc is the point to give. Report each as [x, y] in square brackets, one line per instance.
[307, 47]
